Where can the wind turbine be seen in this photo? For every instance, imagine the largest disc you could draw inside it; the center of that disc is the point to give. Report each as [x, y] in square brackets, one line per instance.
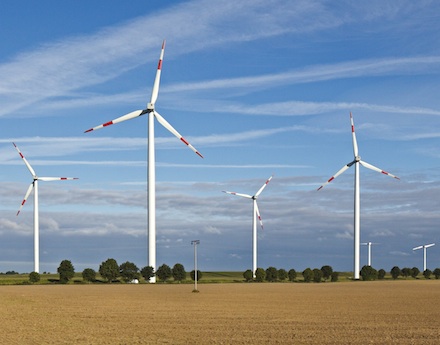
[255, 215]
[34, 186]
[424, 253]
[357, 160]
[151, 184]
[369, 250]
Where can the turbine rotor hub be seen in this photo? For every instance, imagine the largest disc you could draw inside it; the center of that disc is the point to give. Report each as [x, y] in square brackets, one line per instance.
[357, 159]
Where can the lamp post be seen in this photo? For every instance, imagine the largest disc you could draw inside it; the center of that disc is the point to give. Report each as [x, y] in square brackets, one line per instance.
[195, 243]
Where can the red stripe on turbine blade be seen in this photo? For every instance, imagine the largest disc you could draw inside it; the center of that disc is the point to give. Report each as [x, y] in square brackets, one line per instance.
[199, 154]
[183, 139]
[159, 65]
[107, 124]
[352, 129]
[320, 188]
[21, 155]
[331, 179]
[89, 130]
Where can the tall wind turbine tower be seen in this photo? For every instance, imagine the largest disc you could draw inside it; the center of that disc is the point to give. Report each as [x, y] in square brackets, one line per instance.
[151, 183]
[255, 215]
[424, 253]
[357, 199]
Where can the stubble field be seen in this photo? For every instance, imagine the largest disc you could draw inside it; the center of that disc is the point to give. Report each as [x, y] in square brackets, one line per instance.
[385, 312]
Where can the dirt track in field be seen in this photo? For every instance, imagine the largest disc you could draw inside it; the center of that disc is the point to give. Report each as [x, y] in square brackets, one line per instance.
[386, 312]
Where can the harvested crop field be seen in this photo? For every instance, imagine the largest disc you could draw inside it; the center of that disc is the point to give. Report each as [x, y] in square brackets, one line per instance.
[381, 312]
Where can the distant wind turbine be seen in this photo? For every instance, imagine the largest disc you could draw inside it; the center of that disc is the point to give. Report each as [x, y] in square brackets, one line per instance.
[357, 160]
[151, 187]
[255, 215]
[369, 244]
[424, 253]
[34, 186]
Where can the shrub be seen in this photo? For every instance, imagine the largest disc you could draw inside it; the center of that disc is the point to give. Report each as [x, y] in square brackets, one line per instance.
[317, 275]
[179, 272]
[109, 270]
[292, 275]
[368, 273]
[308, 275]
[34, 277]
[415, 272]
[437, 273]
[271, 274]
[89, 275]
[406, 272]
[147, 272]
[164, 272]
[282, 274]
[395, 272]
[260, 275]
[427, 273]
[326, 271]
[129, 271]
[66, 271]
[381, 274]
[248, 276]
[335, 276]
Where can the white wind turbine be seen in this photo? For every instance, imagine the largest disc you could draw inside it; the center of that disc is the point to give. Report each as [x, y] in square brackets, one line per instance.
[424, 253]
[357, 160]
[34, 186]
[151, 186]
[369, 244]
[255, 215]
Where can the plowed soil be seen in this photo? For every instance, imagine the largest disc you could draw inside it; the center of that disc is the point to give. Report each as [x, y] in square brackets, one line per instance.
[385, 312]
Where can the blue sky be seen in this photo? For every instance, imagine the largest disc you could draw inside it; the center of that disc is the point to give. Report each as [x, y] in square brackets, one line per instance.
[259, 88]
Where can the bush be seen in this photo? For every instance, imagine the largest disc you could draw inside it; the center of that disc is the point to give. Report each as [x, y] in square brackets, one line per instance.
[415, 272]
[34, 277]
[317, 275]
[368, 273]
[89, 275]
[381, 274]
[406, 272]
[437, 273]
[308, 275]
[66, 271]
[129, 271]
[427, 273]
[248, 276]
[109, 270]
[335, 276]
[282, 274]
[326, 272]
[292, 275]
[179, 272]
[395, 272]
[200, 275]
[260, 275]
[271, 274]
[164, 272]
[147, 272]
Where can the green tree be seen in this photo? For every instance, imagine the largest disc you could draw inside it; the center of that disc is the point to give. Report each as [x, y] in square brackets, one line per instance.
[335, 276]
[164, 272]
[326, 272]
[260, 274]
[292, 275]
[34, 277]
[381, 274]
[427, 273]
[89, 275]
[395, 272]
[437, 273]
[147, 272]
[308, 275]
[406, 272]
[317, 275]
[66, 271]
[199, 275]
[109, 270]
[179, 272]
[282, 274]
[271, 274]
[248, 276]
[415, 272]
[368, 273]
[129, 271]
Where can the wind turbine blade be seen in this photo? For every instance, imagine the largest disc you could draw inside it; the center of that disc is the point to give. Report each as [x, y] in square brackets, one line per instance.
[372, 167]
[31, 187]
[238, 194]
[167, 125]
[345, 167]
[419, 247]
[56, 178]
[264, 186]
[25, 161]
[125, 117]
[155, 91]
[355, 145]
[430, 245]
[257, 211]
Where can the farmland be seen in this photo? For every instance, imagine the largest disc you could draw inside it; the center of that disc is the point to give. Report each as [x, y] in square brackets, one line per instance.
[379, 312]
